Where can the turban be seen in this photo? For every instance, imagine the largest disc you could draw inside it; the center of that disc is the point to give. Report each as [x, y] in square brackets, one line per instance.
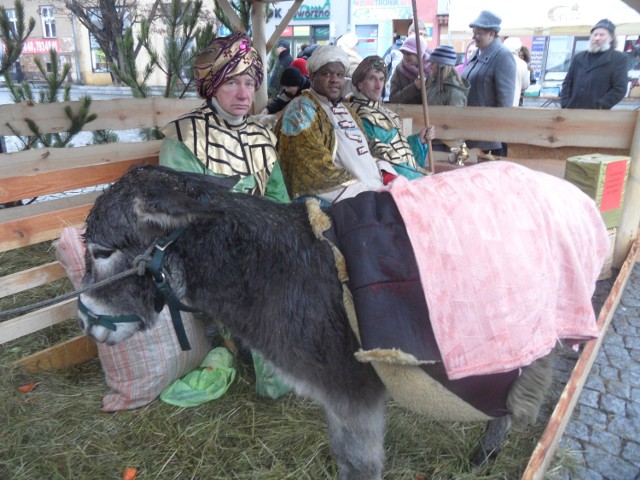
[327, 54]
[226, 57]
[365, 66]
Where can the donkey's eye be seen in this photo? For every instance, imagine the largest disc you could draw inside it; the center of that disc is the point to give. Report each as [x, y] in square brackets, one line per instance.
[101, 253]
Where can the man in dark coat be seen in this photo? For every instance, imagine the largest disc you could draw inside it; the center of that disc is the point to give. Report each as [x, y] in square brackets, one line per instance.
[597, 78]
[284, 60]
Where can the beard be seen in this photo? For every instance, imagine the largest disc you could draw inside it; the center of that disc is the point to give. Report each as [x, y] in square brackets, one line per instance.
[595, 48]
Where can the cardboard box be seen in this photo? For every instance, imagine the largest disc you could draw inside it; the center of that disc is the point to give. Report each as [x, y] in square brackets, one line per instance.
[603, 178]
[606, 271]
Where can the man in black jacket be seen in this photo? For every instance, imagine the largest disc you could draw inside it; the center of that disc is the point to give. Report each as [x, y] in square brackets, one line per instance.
[284, 60]
[597, 78]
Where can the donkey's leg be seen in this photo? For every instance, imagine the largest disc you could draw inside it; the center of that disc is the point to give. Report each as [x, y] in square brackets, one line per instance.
[356, 436]
[492, 439]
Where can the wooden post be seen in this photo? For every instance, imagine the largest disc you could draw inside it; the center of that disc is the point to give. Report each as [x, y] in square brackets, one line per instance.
[423, 88]
[283, 24]
[259, 43]
[231, 15]
[630, 219]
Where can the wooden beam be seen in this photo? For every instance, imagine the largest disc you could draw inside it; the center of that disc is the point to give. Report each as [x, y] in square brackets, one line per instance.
[115, 114]
[627, 231]
[39, 222]
[31, 278]
[38, 172]
[58, 357]
[258, 23]
[34, 321]
[231, 15]
[546, 447]
[283, 24]
[635, 4]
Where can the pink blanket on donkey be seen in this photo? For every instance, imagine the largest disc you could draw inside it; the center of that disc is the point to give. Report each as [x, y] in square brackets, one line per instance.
[508, 258]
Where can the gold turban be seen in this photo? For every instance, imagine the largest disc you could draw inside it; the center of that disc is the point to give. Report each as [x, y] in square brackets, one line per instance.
[226, 57]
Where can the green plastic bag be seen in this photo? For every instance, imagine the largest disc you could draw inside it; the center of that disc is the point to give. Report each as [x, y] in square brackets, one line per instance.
[210, 381]
[268, 383]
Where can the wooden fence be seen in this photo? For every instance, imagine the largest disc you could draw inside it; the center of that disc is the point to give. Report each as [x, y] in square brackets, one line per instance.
[540, 138]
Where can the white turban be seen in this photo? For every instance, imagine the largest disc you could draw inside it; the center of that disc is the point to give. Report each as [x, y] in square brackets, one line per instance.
[327, 54]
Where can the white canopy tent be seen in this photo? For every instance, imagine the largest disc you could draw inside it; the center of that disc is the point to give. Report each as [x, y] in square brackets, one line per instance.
[547, 17]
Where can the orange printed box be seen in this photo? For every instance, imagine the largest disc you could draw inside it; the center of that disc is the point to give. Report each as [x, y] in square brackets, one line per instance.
[603, 178]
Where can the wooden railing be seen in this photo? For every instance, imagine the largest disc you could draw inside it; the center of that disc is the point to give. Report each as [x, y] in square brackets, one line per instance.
[537, 136]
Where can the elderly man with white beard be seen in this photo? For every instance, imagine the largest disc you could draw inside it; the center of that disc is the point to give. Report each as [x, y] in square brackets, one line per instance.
[597, 78]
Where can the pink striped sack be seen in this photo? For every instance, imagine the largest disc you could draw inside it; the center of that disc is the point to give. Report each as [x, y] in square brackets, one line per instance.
[140, 368]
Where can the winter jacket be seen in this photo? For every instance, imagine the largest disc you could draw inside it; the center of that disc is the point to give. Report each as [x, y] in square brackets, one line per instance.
[491, 75]
[597, 81]
[284, 60]
[454, 93]
[403, 89]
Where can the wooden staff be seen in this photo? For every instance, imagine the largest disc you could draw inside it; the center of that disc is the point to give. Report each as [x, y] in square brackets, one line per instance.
[423, 88]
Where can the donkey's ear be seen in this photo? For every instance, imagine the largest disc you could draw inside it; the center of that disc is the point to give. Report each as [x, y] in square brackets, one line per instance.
[170, 209]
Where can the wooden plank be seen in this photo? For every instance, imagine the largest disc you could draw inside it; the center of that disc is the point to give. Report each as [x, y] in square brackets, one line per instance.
[630, 218]
[31, 278]
[115, 114]
[533, 126]
[39, 222]
[548, 443]
[40, 172]
[34, 321]
[284, 23]
[58, 357]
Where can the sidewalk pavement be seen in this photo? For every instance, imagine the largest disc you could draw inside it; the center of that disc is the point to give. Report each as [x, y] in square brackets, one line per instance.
[603, 434]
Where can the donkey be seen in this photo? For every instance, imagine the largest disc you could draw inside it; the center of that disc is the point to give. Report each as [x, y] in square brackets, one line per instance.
[263, 270]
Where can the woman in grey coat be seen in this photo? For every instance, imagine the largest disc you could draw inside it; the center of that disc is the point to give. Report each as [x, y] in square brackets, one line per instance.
[491, 73]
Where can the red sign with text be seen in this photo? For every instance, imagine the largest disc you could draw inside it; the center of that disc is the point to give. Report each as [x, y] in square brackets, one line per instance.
[613, 186]
[40, 46]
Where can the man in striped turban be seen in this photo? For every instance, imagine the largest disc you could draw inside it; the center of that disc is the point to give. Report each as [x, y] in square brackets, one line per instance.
[220, 138]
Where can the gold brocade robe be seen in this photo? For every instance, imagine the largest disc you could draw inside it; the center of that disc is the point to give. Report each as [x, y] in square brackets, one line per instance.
[307, 148]
[395, 147]
[245, 149]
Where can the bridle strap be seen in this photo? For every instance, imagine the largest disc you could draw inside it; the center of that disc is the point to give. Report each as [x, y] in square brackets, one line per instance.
[164, 292]
[106, 321]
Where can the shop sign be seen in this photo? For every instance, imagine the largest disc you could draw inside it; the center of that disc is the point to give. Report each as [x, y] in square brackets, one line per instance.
[314, 12]
[40, 46]
[381, 9]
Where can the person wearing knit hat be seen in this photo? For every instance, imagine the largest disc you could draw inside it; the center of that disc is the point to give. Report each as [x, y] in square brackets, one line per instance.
[443, 55]
[490, 73]
[445, 86]
[321, 145]
[405, 82]
[293, 83]
[598, 77]
[220, 138]
[382, 126]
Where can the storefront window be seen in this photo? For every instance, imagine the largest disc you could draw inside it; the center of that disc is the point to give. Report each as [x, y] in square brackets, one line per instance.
[47, 14]
[13, 21]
